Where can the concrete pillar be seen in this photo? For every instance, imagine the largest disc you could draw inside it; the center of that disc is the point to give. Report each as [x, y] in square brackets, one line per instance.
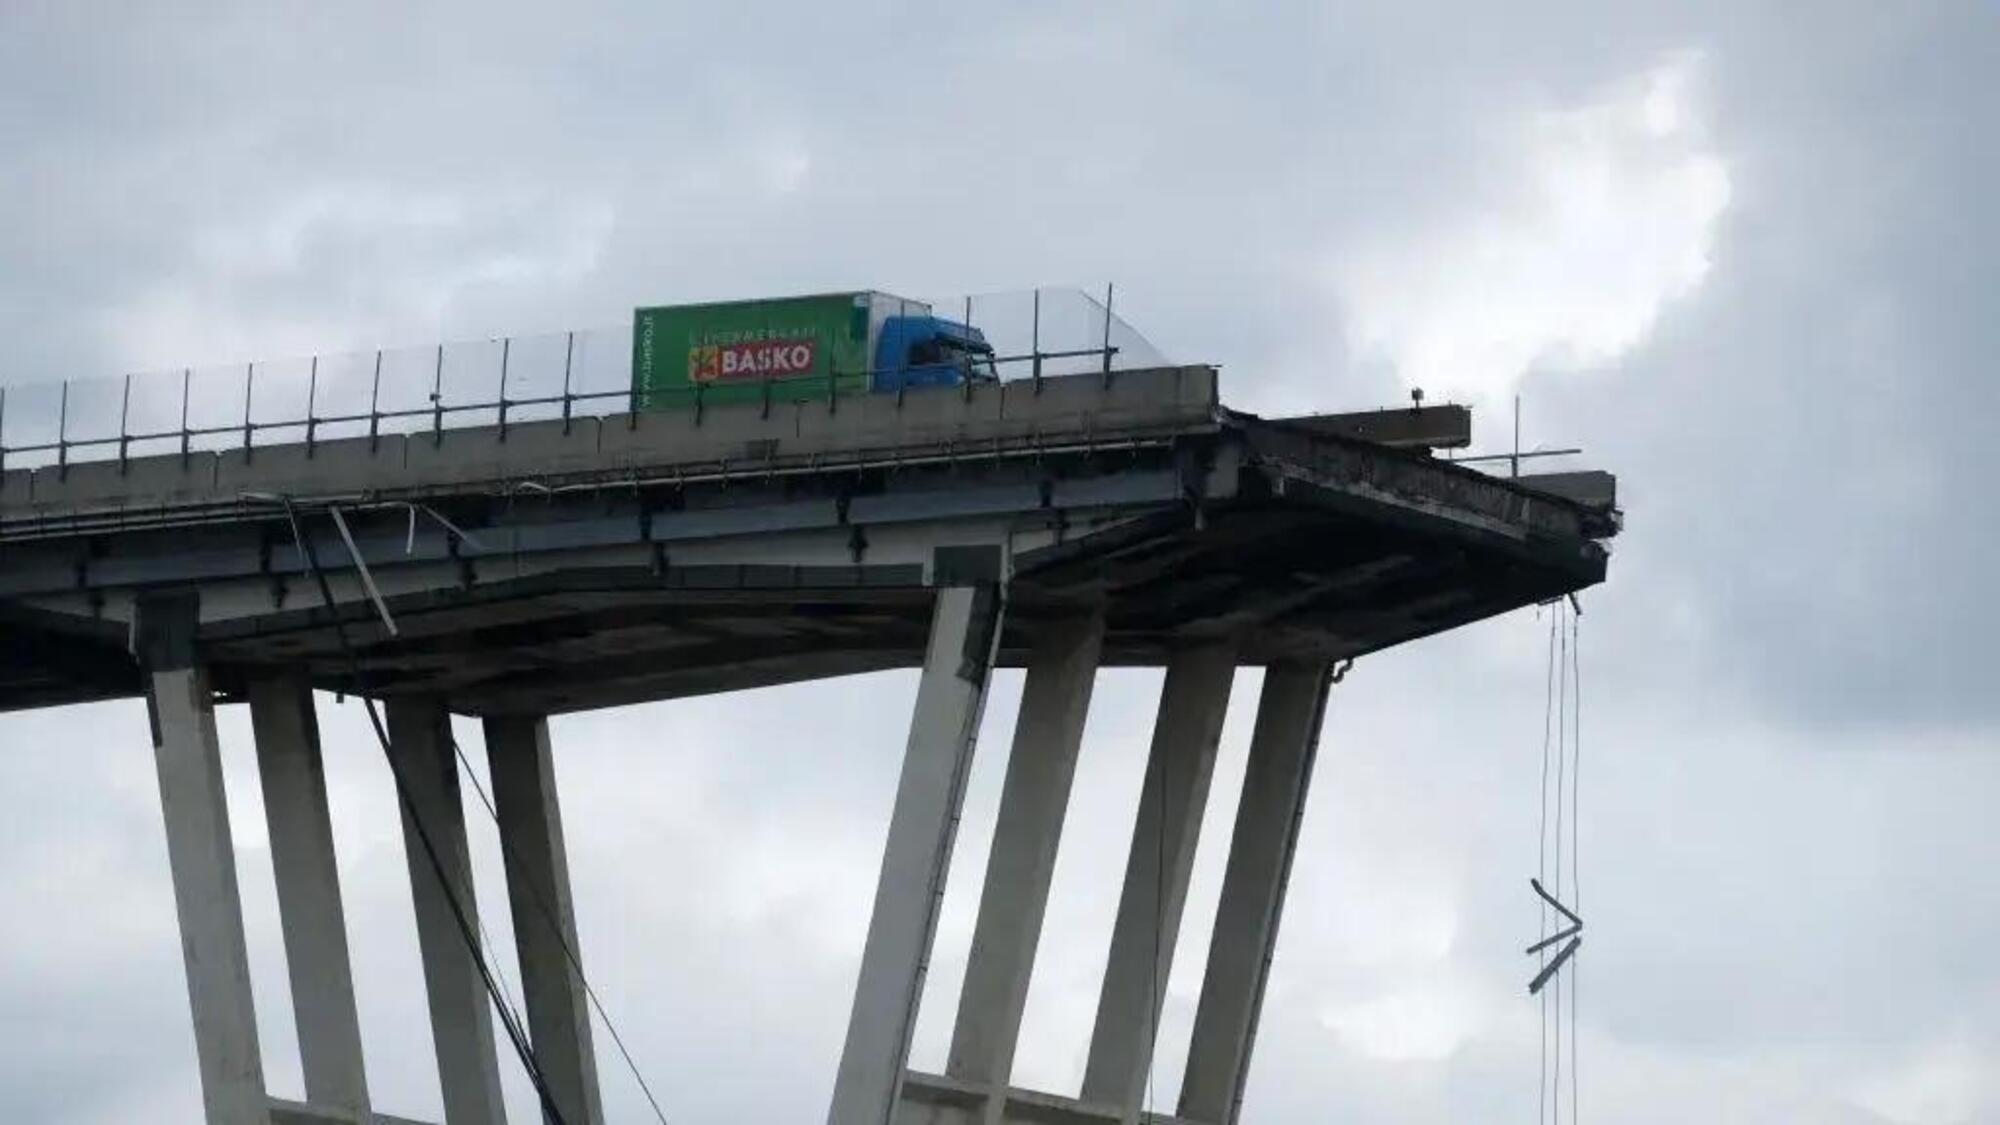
[1062, 668]
[1282, 750]
[531, 834]
[202, 857]
[950, 697]
[1192, 704]
[315, 927]
[461, 1020]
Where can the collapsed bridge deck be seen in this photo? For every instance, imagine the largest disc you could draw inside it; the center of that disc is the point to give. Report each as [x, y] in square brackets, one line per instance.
[556, 566]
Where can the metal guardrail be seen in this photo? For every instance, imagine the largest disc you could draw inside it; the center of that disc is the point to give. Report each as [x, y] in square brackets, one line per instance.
[1033, 331]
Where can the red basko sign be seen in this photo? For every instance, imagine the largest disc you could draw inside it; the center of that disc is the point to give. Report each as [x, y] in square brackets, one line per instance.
[760, 359]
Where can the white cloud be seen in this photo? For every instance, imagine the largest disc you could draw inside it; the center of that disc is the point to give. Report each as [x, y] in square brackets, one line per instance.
[1943, 1085]
[1598, 216]
[1424, 1021]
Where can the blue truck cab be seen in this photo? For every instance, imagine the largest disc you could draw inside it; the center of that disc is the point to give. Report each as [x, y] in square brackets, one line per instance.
[929, 351]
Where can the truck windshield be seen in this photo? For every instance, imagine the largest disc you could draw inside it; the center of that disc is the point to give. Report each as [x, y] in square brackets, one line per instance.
[978, 362]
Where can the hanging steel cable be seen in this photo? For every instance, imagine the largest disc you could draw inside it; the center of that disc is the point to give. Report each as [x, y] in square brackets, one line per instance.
[1561, 724]
[1562, 759]
[516, 1036]
[1575, 851]
[575, 963]
[1542, 866]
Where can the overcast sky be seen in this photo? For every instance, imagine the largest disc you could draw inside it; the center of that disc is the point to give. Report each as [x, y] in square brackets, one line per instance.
[1744, 254]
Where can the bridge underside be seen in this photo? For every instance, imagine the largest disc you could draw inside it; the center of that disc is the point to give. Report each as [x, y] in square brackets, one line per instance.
[1293, 582]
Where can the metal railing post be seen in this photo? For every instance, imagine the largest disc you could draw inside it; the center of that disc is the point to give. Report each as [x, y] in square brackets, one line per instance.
[569, 355]
[249, 380]
[3, 428]
[124, 416]
[187, 377]
[902, 353]
[1107, 333]
[437, 401]
[1035, 340]
[506, 348]
[1514, 464]
[62, 434]
[374, 405]
[312, 401]
[965, 361]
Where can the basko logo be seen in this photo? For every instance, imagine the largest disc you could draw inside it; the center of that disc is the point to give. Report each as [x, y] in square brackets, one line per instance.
[761, 359]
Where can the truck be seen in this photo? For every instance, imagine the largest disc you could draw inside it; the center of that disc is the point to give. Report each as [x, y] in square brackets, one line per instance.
[789, 349]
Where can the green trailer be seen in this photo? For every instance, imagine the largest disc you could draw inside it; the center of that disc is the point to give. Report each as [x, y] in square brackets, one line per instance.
[786, 348]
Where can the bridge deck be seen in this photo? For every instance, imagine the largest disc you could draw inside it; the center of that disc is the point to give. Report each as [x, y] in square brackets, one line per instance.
[550, 567]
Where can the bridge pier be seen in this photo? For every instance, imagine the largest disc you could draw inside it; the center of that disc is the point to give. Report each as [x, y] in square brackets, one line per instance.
[538, 890]
[1055, 701]
[202, 859]
[1193, 701]
[976, 1088]
[461, 1020]
[951, 695]
[293, 777]
[1283, 746]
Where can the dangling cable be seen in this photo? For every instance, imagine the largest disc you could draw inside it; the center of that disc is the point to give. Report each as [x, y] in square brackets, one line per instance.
[504, 1001]
[1562, 758]
[575, 963]
[1575, 852]
[515, 1035]
[1561, 731]
[1542, 864]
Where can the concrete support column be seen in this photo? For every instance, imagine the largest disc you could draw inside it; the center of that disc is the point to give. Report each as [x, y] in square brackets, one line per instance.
[315, 927]
[202, 858]
[461, 1021]
[1193, 702]
[1062, 668]
[950, 697]
[531, 832]
[1289, 716]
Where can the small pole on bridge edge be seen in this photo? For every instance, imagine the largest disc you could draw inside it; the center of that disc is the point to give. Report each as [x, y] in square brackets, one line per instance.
[187, 376]
[867, 369]
[3, 426]
[124, 414]
[1035, 339]
[249, 379]
[1514, 462]
[374, 404]
[506, 347]
[312, 401]
[437, 401]
[569, 355]
[62, 434]
[1107, 333]
[966, 360]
